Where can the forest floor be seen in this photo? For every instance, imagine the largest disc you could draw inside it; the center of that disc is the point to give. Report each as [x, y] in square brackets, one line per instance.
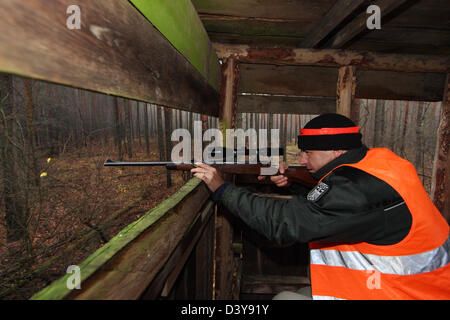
[78, 207]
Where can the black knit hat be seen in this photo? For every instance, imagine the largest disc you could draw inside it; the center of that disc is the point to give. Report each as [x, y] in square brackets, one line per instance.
[329, 131]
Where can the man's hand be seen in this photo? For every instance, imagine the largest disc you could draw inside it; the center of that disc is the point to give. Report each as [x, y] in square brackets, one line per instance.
[279, 180]
[209, 175]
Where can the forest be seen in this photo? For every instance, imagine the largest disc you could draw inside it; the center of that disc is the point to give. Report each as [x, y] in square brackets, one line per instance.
[58, 203]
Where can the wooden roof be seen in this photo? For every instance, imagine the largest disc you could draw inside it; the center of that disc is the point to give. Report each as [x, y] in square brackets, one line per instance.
[407, 26]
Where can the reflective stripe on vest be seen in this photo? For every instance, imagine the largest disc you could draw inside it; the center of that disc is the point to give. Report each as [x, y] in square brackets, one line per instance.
[399, 265]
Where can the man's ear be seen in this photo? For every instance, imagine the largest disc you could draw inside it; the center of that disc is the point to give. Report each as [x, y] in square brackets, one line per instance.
[338, 153]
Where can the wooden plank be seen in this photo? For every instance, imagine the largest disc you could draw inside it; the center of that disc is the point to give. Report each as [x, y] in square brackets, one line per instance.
[341, 10]
[168, 275]
[204, 262]
[345, 90]
[407, 86]
[419, 29]
[224, 230]
[287, 80]
[335, 58]
[116, 51]
[440, 188]
[285, 104]
[301, 10]
[180, 24]
[291, 80]
[272, 284]
[359, 25]
[123, 268]
[230, 79]
[254, 30]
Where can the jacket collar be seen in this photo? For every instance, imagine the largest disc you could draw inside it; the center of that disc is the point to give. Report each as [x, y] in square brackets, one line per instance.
[351, 156]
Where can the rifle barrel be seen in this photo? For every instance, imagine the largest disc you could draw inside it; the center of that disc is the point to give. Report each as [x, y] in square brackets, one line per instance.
[295, 173]
[112, 163]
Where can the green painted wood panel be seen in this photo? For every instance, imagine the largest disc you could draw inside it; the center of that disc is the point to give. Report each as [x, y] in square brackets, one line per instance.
[179, 22]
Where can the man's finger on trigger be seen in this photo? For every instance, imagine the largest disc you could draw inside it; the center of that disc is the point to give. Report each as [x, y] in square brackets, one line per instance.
[203, 165]
[198, 170]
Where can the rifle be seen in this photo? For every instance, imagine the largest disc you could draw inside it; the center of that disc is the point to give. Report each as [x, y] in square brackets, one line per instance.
[297, 174]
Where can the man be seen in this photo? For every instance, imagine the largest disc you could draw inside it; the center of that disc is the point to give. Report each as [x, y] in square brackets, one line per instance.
[373, 231]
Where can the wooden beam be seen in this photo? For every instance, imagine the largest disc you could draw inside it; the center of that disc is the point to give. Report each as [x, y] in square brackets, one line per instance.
[117, 51]
[358, 25]
[440, 187]
[224, 230]
[228, 100]
[409, 86]
[285, 104]
[124, 267]
[166, 278]
[341, 10]
[335, 58]
[287, 80]
[304, 80]
[345, 90]
[272, 284]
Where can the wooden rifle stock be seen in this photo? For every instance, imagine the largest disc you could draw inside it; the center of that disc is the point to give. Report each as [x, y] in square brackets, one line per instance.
[298, 174]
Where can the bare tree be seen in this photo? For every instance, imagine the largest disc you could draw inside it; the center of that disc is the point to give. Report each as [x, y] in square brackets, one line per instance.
[15, 210]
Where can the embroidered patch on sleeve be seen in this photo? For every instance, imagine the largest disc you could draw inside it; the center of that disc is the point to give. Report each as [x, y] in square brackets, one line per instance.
[318, 191]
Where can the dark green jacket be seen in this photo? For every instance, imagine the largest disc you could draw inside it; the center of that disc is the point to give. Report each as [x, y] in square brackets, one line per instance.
[350, 206]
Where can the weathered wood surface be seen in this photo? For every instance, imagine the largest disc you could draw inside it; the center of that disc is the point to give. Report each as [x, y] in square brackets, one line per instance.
[285, 104]
[266, 9]
[124, 267]
[341, 10]
[165, 280]
[171, 19]
[441, 170]
[409, 86]
[224, 230]
[228, 100]
[346, 85]
[335, 58]
[204, 261]
[321, 82]
[358, 25]
[287, 80]
[117, 51]
[414, 27]
[269, 21]
[272, 284]
[418, 29]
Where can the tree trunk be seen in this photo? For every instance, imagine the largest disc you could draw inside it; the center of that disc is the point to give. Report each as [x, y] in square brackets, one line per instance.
[15, 213]
[168, 121]
[405, 126]
[117, 126]
[128, 128]
[162, 153]
[146, 129]
[138, 123]
[31, 132]
[379, 124]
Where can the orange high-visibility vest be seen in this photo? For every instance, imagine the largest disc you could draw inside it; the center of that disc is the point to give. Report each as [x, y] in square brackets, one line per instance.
[417, 267]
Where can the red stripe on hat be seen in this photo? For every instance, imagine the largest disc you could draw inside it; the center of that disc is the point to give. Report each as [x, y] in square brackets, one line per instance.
[328, 131]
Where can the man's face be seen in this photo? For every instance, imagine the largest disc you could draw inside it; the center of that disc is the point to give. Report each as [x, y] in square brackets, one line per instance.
[316, 159]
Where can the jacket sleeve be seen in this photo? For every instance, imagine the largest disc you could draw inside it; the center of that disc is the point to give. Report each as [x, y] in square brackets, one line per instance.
[333, 218]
